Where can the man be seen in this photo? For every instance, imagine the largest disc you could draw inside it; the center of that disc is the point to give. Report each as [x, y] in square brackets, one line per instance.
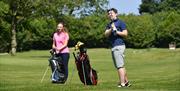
[116, 31]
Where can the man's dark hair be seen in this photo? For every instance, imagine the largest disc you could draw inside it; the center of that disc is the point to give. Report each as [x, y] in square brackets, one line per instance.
[112, 9]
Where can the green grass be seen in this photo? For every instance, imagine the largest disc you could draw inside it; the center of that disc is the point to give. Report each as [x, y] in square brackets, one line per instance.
[148, 70]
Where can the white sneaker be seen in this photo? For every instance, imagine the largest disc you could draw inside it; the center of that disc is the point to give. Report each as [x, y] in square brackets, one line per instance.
[121, 85]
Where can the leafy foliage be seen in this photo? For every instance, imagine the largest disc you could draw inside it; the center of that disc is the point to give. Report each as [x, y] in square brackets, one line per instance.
[168, 29]
[18, 12]
[141, 31]
[154, 6]
[4, 26]
[149, 6]
[36, 23]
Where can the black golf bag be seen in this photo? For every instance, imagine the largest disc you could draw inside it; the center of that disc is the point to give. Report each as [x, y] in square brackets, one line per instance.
[57, 68]
[87, 75]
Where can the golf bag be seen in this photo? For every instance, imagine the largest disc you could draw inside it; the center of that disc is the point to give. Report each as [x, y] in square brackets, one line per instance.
[87, 75]
[57, 68]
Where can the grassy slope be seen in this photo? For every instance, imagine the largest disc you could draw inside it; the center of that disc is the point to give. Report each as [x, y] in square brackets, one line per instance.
[148, 69]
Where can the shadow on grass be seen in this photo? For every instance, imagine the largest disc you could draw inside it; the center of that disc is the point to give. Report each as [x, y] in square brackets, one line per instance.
[39, 56]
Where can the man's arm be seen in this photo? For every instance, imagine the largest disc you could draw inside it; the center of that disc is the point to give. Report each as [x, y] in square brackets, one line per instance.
[108, 32]
[124, 33]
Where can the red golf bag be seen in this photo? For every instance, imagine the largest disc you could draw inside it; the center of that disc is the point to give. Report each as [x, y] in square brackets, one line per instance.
[87, 75]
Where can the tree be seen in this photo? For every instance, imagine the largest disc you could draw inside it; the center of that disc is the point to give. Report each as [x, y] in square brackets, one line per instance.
[4, 34]
[167, 28]
[141, 32]
[169, 5]
[153, 6]
[19, 10]
[149, 6]
[57, 8]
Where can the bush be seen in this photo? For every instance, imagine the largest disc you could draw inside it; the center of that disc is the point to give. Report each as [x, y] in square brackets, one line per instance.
[141, 31]
[168, 27]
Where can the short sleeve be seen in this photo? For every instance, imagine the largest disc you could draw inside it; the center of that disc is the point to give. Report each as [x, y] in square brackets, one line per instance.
[67, 36]
[123, 26]
[53, 36]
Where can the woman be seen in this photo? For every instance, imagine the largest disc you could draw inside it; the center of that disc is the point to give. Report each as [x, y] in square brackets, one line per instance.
[60, 42]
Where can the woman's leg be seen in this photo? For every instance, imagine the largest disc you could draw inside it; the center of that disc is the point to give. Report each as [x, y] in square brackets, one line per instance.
[65, 58]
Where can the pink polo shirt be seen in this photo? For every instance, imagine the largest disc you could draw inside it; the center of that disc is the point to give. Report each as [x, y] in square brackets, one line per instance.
[60, 40]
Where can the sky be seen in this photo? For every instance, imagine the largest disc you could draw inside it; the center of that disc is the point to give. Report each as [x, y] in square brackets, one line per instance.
[125, 6]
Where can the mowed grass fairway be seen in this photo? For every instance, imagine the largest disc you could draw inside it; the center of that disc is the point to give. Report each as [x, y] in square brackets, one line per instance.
[148, 70]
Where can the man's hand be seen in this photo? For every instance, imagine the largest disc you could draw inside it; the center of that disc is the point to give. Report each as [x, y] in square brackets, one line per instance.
[113, 27]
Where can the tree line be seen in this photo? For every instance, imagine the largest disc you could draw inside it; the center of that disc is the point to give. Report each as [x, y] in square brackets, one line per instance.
[29, 24]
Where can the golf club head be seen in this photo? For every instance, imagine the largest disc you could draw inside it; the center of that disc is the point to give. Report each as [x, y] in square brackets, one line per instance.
[52, 51]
